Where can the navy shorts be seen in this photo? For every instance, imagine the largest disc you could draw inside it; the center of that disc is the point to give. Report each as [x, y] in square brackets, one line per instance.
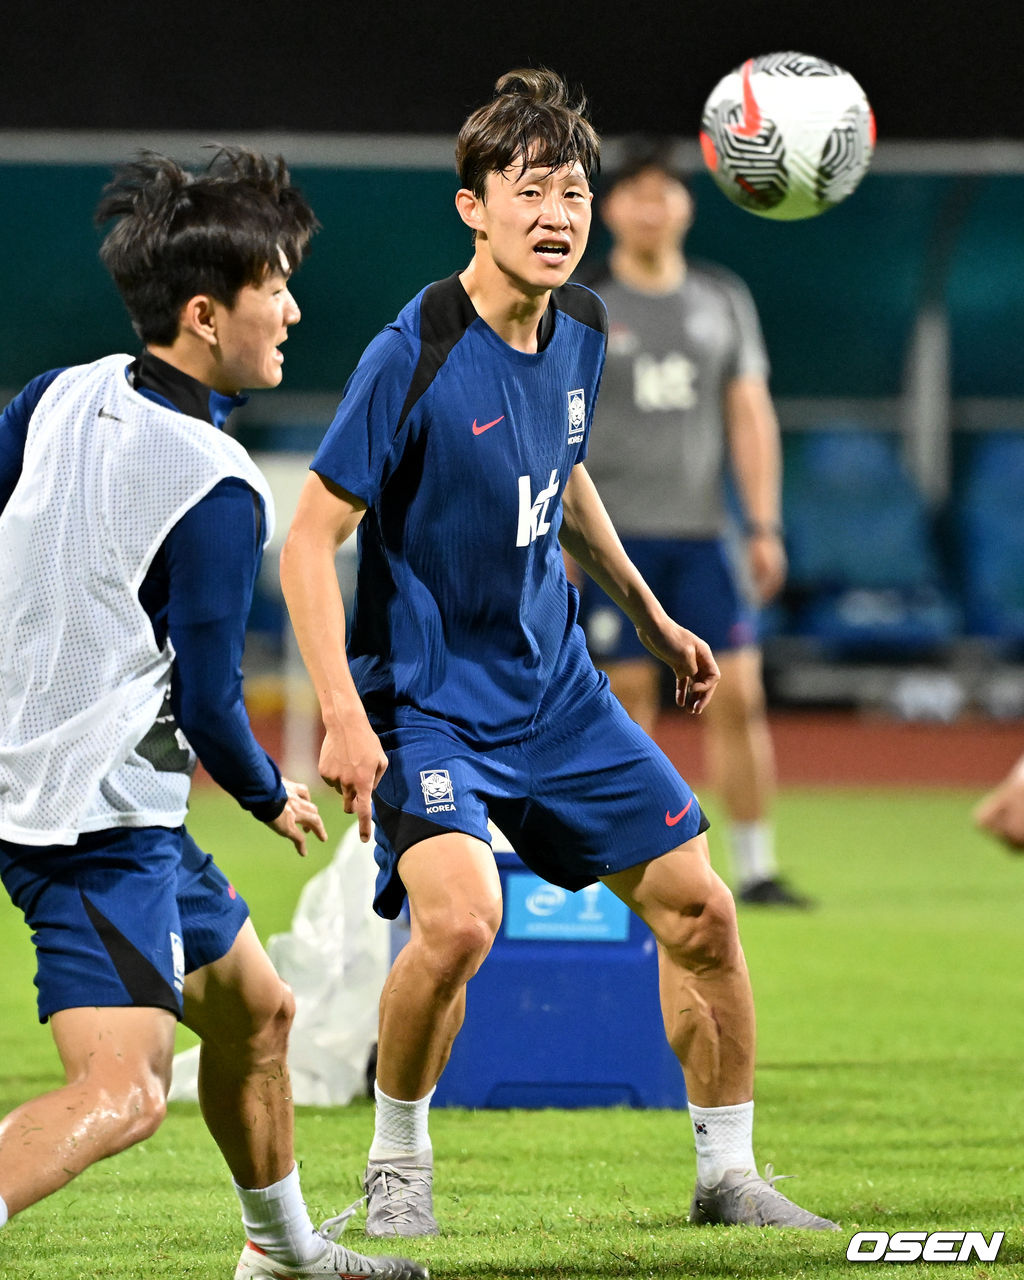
[121, 917]
[698, 585]
[585, 796]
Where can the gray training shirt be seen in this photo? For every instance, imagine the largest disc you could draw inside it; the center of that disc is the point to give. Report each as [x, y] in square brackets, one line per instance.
[658, 449]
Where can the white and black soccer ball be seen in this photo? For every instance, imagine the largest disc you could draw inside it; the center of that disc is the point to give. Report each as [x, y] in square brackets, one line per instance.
[787, 135]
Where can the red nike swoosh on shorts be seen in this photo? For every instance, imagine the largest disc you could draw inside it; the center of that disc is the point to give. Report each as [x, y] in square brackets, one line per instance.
[478, 431]
[750, 125]
[670, 821]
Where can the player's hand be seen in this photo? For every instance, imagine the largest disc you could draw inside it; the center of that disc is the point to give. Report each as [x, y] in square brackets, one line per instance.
[298, 816]
[766, 557]
[1001, 813]
[352, 761]
[691, 659]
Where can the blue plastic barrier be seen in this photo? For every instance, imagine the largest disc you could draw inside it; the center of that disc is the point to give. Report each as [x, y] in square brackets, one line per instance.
[565, 1010]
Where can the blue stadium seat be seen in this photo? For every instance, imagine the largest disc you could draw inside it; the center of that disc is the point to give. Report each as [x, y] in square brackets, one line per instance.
[988, 525]
[864, 573]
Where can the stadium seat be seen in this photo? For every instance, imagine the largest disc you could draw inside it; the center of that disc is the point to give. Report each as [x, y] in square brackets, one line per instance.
[988, 528]
[864, 574]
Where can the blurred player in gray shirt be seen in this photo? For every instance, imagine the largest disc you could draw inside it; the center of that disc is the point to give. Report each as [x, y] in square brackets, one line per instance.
[684, 400]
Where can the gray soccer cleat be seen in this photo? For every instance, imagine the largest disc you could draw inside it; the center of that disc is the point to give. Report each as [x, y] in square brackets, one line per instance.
[399, 1198]
[335, 1261]
[744, 1198]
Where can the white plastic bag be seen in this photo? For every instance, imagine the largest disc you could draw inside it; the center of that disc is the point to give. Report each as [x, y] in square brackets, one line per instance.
[335, 958]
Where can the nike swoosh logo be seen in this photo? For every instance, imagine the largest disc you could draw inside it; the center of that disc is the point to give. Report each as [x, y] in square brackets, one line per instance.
[750, 125]
[478, 431]
[670, 821]
[104, 413]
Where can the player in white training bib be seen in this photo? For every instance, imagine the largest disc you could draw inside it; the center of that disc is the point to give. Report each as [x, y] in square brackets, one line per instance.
[131, 533]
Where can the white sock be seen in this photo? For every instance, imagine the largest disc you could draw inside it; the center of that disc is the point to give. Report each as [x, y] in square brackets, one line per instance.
[400, 1128]
[4, 1215]
[277, 1221]
[724, 1137]
[753, 852]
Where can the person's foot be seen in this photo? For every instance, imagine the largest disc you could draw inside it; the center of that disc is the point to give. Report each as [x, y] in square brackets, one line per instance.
[773, 892]
[742, 1197]
[336, 1261]
[400, 1201]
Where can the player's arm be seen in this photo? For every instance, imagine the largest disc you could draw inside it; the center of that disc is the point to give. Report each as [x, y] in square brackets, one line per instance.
[14, 424]
[590, 538]
[208, 601]
[1001, 812]
[352, 759]
[755, 450]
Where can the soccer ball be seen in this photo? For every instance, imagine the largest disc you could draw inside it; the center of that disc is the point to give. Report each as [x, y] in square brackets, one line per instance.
[787, 135]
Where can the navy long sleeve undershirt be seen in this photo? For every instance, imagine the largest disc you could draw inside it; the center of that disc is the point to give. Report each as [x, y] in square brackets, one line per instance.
[198, 591]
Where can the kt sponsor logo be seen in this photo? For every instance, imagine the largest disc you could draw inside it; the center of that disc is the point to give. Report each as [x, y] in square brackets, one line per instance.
[533, 520]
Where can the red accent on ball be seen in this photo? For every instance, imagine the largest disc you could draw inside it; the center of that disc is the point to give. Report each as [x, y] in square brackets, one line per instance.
[708, 149]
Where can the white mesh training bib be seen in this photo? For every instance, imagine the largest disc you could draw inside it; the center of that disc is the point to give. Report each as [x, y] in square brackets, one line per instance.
[87, 741]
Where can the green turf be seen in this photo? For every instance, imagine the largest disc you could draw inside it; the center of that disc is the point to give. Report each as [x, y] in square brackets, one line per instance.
[890, 1028]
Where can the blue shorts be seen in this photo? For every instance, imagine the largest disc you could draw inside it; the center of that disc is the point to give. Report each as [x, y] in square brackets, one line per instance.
[120, 917]
[696, 582]
[585, 796]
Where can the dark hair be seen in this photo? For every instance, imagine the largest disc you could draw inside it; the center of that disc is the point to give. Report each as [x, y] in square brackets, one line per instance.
[639, 153]
[531, 120]
[180, 233]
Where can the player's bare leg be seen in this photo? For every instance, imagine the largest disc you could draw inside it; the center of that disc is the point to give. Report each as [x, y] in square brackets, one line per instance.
[741, 758]
[705, 988]
[708, 1010]
[243, 1012]
[455, 909]
[117, 1063]
[739, 745]
[636, 684]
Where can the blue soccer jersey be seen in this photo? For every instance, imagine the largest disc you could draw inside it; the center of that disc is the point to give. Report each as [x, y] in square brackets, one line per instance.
[461, 447]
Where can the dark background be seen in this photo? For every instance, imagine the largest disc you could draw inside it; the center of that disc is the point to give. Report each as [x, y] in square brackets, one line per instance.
[840, 296]
[930, 70]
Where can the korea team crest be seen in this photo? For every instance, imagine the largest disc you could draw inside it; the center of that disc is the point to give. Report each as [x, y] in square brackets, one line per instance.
[577, 415]
[438, 794]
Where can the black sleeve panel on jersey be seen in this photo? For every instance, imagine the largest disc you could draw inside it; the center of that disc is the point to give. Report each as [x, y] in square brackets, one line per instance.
[445, 314]
[583, 305]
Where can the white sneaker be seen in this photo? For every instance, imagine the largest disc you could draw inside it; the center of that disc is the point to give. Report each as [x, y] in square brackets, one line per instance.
[336, 1261]
[399, 1198]
[743, 1197]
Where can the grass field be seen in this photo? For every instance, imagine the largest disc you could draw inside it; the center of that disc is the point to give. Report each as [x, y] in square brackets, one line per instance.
[891, 1023]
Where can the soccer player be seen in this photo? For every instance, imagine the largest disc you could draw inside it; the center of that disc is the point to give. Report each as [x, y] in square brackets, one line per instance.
[684, 392]
[468, 693]
[131, 532]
